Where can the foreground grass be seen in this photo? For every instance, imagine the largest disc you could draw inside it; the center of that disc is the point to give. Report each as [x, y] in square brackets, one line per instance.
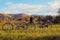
[32, 34]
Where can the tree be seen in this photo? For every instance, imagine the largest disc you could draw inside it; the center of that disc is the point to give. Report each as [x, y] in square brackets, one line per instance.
[59, 11]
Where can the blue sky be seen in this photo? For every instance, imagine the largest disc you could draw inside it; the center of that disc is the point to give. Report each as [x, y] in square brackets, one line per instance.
[27, 1]
[30, 6]
[43, 2]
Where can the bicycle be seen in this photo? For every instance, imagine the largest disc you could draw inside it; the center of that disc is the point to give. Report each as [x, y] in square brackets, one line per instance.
[46, 24]
[10, 26]
[21, 25]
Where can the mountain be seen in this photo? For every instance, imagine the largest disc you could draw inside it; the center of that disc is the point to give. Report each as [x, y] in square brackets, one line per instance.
[36, 15]
[1, 16]
[14, 16]
[19, 15]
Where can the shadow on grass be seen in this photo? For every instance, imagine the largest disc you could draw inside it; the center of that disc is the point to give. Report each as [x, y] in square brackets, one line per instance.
[44, 38]
[31, 38]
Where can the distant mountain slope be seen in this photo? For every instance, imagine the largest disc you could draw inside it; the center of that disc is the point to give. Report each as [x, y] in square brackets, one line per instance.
[1, 16]
[14, 16]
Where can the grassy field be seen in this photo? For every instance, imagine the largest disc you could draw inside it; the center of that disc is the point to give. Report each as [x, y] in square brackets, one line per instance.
[31, 33]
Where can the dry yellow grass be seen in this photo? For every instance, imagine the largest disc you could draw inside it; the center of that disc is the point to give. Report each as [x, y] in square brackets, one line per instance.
[31, 32]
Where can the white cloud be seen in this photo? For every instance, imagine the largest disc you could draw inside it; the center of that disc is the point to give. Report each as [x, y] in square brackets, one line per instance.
[50, 9]
[26, 8]
[54, 5]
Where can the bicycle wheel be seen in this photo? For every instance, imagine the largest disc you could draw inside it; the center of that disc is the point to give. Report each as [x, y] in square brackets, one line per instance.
[7, 26]
[21, 26]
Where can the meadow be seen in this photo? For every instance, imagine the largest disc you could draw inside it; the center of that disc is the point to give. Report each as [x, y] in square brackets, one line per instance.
[50, 33]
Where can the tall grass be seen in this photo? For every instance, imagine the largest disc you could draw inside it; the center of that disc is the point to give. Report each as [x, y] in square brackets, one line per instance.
[31, 33]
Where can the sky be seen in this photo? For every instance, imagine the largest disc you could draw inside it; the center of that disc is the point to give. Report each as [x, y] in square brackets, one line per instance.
[37, 7]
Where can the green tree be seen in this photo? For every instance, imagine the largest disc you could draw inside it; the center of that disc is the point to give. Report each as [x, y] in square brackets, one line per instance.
[59, 11]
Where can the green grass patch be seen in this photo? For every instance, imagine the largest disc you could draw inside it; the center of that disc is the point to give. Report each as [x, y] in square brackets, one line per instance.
[31, 33]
